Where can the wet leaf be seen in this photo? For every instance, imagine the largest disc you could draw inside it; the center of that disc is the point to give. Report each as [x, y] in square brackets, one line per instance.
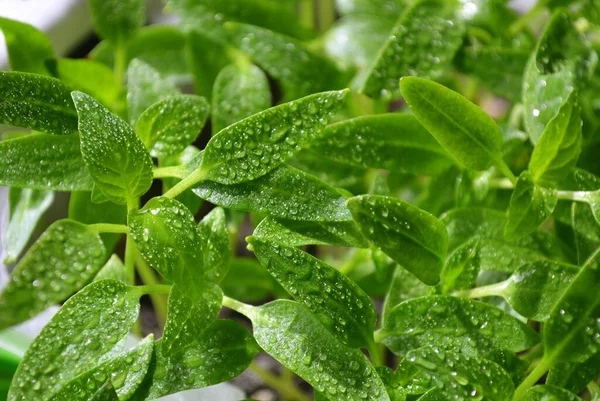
[574, 376]
[118, 20]
[106, 393]
[257, 284]
[549, 393]
[461, 268]
[410, 236]
[29, 50]
[404, 286]
[64, 259]
[113, 269]
[214, 238]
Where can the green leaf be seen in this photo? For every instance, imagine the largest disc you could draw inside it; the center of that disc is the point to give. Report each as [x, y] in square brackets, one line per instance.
[283, 192]
[27, 206]
[36, 102]
[549, 393]
[113, 269]
[256, 145]
[384, 7]
[462, 267]
[557, 151]
[574, 376]
[456, 375]
[240, 90]
[299, 70]
[44, 162]
[29, 50]
[530, 205]
[87, 327]
[118, 20]
[206, 60]
[106, 393]
[125, 371]
[257, 284]
[166, 235]
[171, 124]
[291, 334]
[323, 289]
[386, 141]
[561, 63]
[423, 43]
[64, 259]
[410, 236]
[299, 233]
[334, 173]
[214, 238]
[115, 157]
[462, 128]
[453, 323]
[404, 286]
[219, 354]
[189, 316]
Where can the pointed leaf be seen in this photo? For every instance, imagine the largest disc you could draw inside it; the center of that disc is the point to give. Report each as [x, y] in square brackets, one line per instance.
[113, 270]
[118, 20]
[214, 238]
[410, 236]
[29, 50]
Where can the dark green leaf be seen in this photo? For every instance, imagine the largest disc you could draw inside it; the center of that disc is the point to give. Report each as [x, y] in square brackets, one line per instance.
[453, 323]
[530, 205]
[574, 376]
[115, 157]
[462, 267]
[113, 270]
[214, 238]
[404, 286]
[323, 289]
[290, 333]
[387, 141]
[171, 124]
[118, 20]
[257, 284]
[410, 236]
[88, 326]
[27, 206]
[206, 55]
[334, 173]
[549, 393]
[64, 259]
[36, 102]
[29, 50]
[240, 90]
[256, 145]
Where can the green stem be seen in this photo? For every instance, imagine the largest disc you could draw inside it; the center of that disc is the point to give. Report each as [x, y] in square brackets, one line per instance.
[239, 307]
[120, 62]
[533, 353]
[153, 289]
[374, 353]
[169, 172]
[577, 196]
[501, 183]
[326, 14]
[485, 291]
[109, 228]
[504, 169]
[539, 371]
[307, 13]
[286, 391]
[148, 277]
[129, 260]
[186, 183]
[519, 24]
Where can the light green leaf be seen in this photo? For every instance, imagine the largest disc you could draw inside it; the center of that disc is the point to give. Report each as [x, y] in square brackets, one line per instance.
[256, 145]
[64, 259]
[27, 206]
[383, 7]
[113, 269]
[299, 233]
[125, 371]
[423, 43]
[550, 393]
[106, 393]
[87, 327]
[219, 354]
[462, 267]
[386, 141]
[115, 157]
[29, 50]
[171, 124]
[118, 20]
[240, 90]
[44, 162]
[462, 128]
[291, 334]
[214, 238]
[284, 192]
[404, 286]
[410, 236]
[165, 233]
[453, 323]
[557, 151]
[323, 289]
[574, 376]
[188, 316]
[299, 70]
[36, 102]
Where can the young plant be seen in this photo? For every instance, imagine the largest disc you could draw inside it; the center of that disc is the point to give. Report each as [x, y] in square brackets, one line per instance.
[364, 153]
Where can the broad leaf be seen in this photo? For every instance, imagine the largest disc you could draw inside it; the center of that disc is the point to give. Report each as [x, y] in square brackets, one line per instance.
[549, 393]
[386, 141]
[36, 102]
[462, 128]
[118, 20]
[404, 286]
[284, 192]
[214, 238]
[410, 236]
[448, 322]
[574, 376]
[206, 59]
[115, 157]
[29, 50]
[323, 289]
[530, 205]
[423, 43]
[27, 206]
[240, 90]
[113, 269]
[291, 334]
[64, 259]
[87, 327]
[256, 145]
[171, 124]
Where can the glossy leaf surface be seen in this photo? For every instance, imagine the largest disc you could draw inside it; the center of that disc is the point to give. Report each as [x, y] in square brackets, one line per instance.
[549, 393]
[29, 50]
[214, 238]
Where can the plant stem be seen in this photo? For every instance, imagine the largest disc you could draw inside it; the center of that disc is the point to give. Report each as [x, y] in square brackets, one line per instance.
[109, 228]
[239, 307]
[504, 169]
[169, 172]
[485, 291]
[533, 353]
[148, 277]
[286, 391]
[186, 183]
[153, 289]
[307, 13]
[120, 62]
[129, 260]
[326, 14]
[577, 196]
[374, 353]
[501, 183]
[539, 371]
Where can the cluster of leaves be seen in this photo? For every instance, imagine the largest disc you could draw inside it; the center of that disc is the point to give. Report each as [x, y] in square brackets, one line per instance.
[482, 236]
